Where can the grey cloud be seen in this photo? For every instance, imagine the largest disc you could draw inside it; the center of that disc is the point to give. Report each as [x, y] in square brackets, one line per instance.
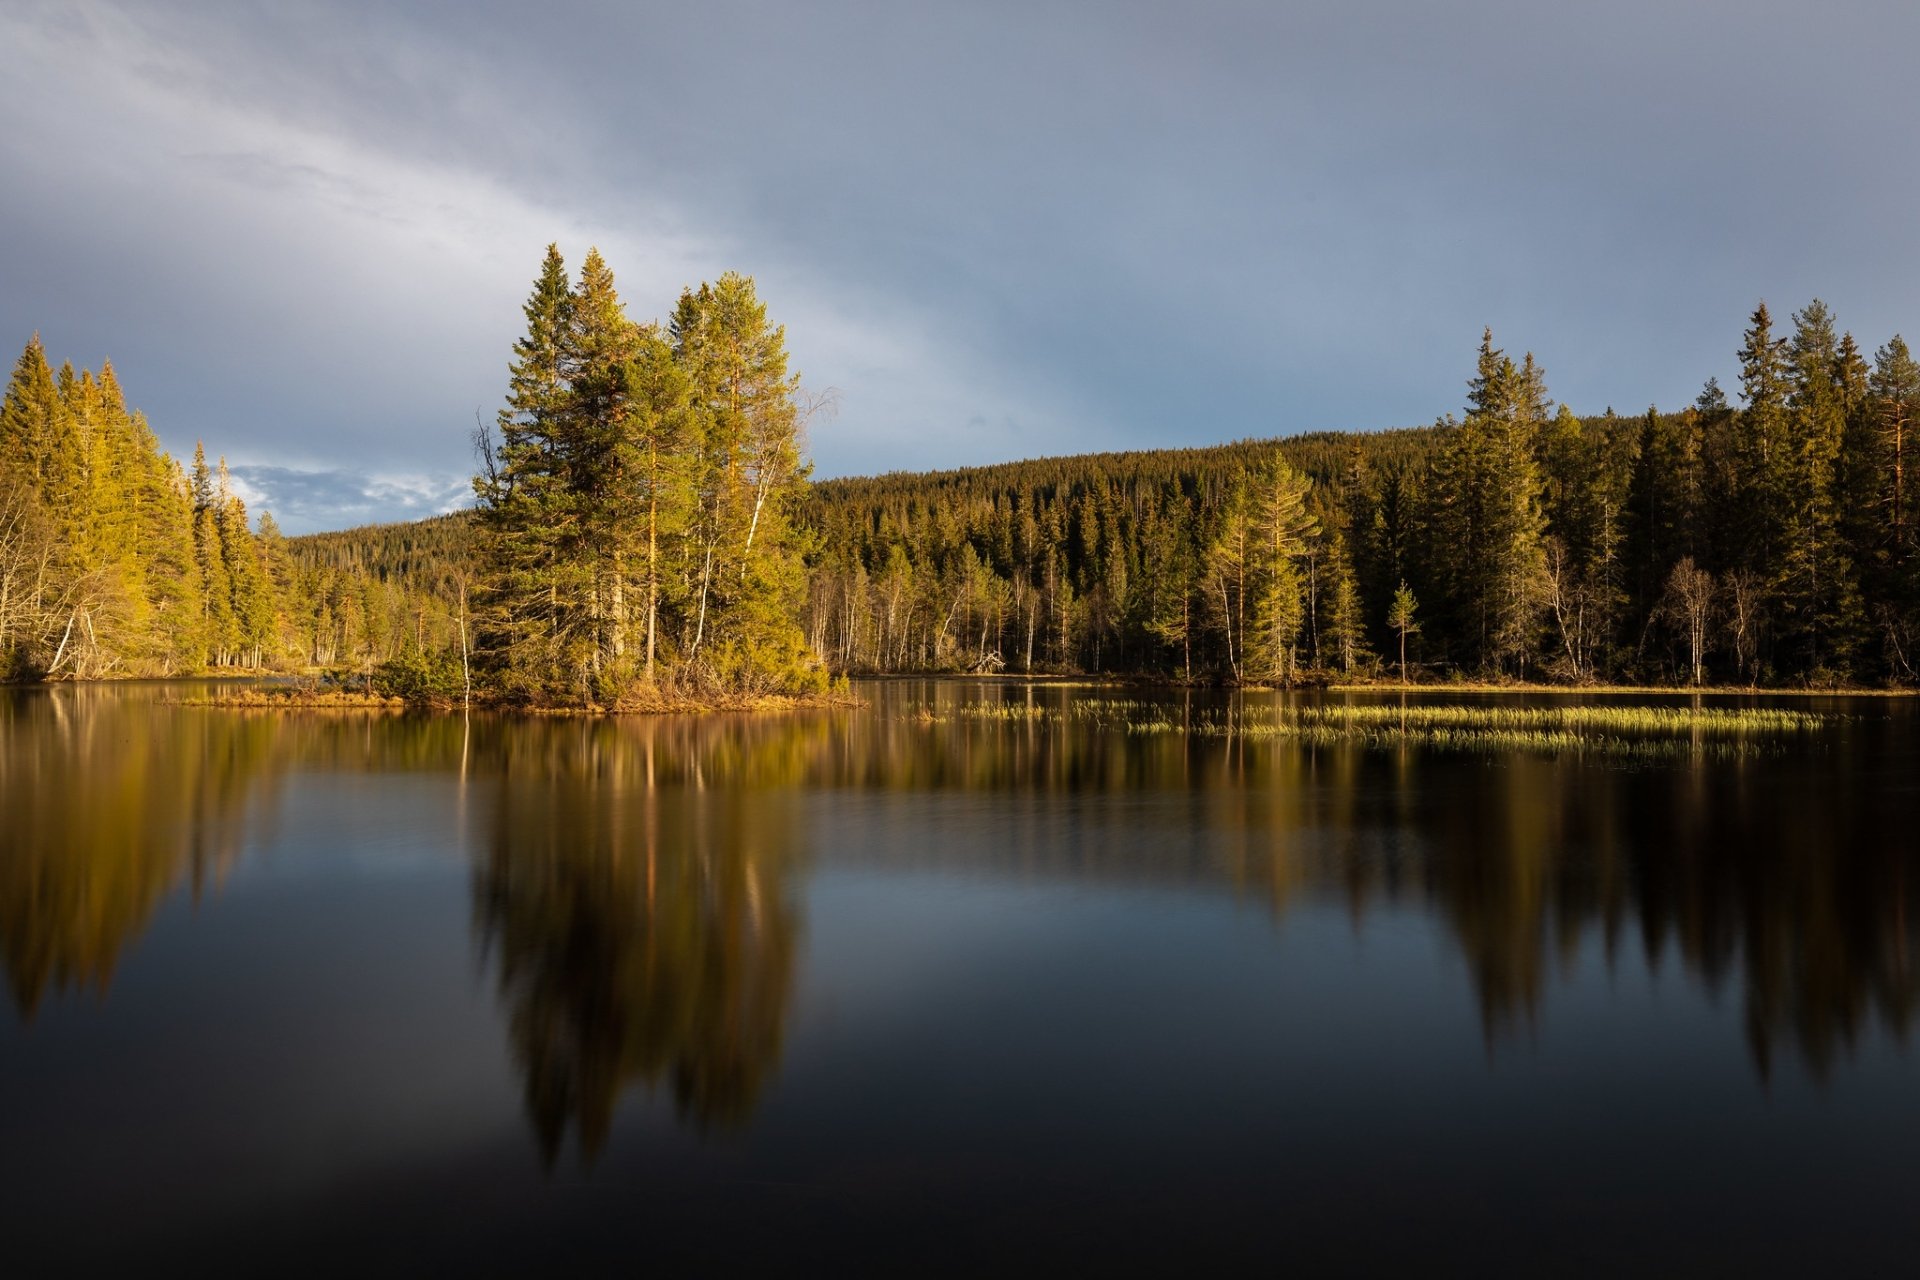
[1114, 224]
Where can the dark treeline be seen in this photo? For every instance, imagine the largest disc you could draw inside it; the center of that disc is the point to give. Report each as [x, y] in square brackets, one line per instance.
[117, 561]
[1769, 541]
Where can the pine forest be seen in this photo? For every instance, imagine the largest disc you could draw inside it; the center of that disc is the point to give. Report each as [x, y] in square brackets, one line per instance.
[645, 532]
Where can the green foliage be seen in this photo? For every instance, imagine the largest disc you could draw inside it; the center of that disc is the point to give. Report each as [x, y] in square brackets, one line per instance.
[1545, 543]
[423, 677]
[636, 514]
[1401, 617]
[116, 562]
[646, 520]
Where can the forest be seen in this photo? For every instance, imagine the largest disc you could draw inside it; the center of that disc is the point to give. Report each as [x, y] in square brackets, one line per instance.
[645, 522]
[631, 542]
[115, 560]
[1771, 542]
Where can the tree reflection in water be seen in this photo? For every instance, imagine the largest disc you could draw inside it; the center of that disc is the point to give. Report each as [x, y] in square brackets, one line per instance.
[637, 891]
[105, 810]
[637, 885]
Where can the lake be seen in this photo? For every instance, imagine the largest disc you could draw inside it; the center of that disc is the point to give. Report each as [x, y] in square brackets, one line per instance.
[981, 973]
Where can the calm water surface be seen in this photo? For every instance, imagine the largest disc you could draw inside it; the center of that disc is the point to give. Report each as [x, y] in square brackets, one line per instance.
[905, 987]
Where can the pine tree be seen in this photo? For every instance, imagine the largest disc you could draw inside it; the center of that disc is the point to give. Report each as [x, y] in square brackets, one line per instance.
[1282, 527]
[1230, 558]
[749, 576]
[177, 641]
[1167, 567]
[1814, 576]
[532, 628]
[640, 500]
[30, 426]
[1763, 480]
[1892, 548]
[598, 347]
[218, 624]
[1402, 618]
[1346, 622]
[1487, 508]
[251, 599]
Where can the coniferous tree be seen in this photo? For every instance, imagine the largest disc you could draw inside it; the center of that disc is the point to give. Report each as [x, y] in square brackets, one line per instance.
[1813, 577]
[1402, 617]
[598, 346]
[532, 629]
[1346, 620]
[747, 578]
[1765, 476]
[660, 456]
[177, 643]
[638, 508]
[218, 623]
[1890, 540]
[1282, 528]
[30, 428]
[1487, 509]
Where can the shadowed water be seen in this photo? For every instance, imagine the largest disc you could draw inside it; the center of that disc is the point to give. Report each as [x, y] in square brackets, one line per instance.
[1107, 982]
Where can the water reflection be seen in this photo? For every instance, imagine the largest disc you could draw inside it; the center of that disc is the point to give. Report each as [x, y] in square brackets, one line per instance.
[638, 887]
[643, 915]
[105, 811]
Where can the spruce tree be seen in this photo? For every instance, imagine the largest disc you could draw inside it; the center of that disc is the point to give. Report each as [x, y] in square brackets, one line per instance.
[1764, 475]
[598, 344]
[177, 641]
[218, 624]
[1346, 622]
[1814, 575]
[1892, 549]
[1282, 527]
[1486, 508]
[29, 419]
[531, 626]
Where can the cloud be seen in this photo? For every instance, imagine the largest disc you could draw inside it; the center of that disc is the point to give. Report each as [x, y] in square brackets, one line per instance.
[309, 501]
[304, 231]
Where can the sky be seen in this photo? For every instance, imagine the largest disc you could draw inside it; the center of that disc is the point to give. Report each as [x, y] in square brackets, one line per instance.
[303, 232]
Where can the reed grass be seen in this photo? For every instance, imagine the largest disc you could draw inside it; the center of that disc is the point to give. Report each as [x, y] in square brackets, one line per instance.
[1633, 732]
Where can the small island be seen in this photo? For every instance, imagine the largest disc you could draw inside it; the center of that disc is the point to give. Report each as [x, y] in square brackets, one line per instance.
[633, 545]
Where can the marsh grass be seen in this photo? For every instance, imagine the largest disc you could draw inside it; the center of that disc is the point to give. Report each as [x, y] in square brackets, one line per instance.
[289, 697]
[1629, 731]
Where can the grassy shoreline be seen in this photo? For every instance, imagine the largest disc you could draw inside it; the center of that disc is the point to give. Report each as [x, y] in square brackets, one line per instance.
[298, 698]
[1617, 731]
[1084, 680]
[297, 690]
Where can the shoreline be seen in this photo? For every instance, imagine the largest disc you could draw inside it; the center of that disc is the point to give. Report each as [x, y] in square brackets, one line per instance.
[293, 698]
[288, 691]
[1097, 681]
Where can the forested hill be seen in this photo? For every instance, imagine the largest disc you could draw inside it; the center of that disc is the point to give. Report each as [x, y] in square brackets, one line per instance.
[1102, 562]
[430, 555]
[421, 562]
[1320, 454]
[1771, 543]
